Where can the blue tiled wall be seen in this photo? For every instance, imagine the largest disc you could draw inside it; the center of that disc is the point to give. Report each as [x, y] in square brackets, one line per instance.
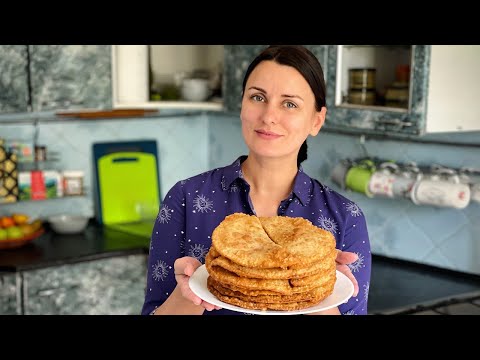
[181, 143]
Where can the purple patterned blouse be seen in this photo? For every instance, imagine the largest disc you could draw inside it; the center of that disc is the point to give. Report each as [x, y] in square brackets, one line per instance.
[194, 207]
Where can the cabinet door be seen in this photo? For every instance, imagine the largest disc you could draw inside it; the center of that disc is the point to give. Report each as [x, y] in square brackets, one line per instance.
[13, 79]
[377, 118]
[236, 60]
[454, 89]
[8, 295]
[113, 286]
[70, 76]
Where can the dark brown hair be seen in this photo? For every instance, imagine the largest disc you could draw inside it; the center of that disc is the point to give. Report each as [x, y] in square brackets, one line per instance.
[306, 63]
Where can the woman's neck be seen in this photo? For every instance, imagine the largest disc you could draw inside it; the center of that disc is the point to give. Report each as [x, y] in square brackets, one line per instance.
[270, 177]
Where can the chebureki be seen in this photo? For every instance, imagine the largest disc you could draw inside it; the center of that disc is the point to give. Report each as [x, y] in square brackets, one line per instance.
[271, 263]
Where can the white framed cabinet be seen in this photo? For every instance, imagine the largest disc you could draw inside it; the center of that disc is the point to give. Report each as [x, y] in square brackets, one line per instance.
[403, 89]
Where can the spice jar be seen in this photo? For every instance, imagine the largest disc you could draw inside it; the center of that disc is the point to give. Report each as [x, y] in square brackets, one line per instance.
[73, 182]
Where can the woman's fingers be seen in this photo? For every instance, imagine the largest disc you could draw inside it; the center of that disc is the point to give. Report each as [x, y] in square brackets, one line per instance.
[184, 269]
[344, 269]
[346, 257]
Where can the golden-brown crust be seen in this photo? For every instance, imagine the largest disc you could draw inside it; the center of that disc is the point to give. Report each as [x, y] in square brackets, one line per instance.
[274, 263]
[316, 294]
[270, 273]
[281, 286]
[240, 238]
[299, 305]
[275, 242]
[306, 242]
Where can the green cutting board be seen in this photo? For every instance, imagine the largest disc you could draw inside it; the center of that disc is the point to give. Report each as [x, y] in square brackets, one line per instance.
[128, 187]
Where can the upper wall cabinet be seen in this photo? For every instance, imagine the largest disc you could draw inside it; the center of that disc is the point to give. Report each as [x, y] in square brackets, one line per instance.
[405, 89]
[13, 79]
[237, 59]
[167, 76]
[70, 76]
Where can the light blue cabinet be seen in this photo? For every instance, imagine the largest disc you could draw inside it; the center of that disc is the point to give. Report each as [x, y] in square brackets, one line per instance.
[112, 286]
[8, 295]
[13, 79]
[70, 76]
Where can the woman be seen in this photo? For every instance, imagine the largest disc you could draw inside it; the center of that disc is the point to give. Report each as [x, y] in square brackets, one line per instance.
[283, 103]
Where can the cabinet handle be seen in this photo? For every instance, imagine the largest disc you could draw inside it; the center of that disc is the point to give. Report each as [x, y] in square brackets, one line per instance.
[396, 123]
[49, 292]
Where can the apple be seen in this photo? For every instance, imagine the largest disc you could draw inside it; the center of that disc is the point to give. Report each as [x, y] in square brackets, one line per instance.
[14, 232]
[3, 234]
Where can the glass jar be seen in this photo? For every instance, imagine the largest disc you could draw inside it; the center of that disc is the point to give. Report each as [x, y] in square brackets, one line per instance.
[362, 78]
[361, 97]
[73, 182]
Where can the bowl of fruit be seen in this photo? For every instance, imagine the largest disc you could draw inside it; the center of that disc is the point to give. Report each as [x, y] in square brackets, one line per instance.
[18, 230]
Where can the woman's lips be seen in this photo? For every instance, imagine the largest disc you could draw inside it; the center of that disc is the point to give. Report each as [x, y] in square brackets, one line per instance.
[267, 134]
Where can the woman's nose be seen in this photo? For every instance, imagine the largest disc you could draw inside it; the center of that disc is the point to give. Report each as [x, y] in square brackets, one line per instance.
[270, 115]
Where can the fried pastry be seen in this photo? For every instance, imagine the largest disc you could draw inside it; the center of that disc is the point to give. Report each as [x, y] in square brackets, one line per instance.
[215, 258]
[270, 263]
[275, 242]
[281, 286]
[263, 306]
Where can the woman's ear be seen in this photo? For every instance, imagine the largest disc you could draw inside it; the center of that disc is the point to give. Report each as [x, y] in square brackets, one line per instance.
[318, 121]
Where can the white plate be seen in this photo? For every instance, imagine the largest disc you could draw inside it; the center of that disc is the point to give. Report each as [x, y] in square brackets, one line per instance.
[342, 291]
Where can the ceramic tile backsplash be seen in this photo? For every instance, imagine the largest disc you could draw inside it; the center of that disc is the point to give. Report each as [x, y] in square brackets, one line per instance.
[13, 79]
[181, 143]
[398, 228]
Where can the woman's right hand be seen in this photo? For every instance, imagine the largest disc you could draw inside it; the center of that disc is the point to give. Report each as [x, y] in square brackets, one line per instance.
[184, 268]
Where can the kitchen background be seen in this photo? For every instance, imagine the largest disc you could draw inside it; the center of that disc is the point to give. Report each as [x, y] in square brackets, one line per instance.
[191, 141]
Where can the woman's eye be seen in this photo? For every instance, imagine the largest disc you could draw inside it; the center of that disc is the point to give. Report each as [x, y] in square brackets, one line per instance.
[290, 105]
[256, 98]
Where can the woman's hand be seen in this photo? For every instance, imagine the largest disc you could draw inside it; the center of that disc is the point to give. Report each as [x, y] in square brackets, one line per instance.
[343, 259]
[184, 268]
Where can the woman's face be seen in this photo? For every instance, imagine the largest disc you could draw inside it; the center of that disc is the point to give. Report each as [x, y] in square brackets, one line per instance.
[278, 111]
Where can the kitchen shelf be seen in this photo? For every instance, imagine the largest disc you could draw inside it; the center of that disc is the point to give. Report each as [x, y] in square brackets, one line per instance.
[84, 195]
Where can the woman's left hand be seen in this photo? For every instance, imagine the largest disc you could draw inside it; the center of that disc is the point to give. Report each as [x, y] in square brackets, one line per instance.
[343, 259]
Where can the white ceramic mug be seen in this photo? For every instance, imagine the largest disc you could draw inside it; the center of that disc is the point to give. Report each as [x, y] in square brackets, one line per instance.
[381, 184]
[475, 192]
[441, 193]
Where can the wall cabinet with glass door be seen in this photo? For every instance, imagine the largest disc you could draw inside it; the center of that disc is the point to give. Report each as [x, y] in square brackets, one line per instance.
[403, 89]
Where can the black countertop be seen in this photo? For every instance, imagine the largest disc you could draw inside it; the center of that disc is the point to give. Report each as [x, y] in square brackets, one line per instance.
[52, 249]
[399, 284]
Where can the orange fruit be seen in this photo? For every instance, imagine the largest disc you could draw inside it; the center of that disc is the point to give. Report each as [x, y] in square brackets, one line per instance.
[6, 222]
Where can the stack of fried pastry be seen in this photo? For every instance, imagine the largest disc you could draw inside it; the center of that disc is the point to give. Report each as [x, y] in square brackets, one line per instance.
[270, 263]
